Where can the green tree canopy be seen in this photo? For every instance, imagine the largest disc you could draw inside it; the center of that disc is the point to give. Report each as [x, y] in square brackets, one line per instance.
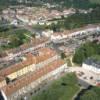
[86, 50]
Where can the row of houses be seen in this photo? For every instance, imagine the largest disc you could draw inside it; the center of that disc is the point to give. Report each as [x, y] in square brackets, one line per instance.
[75, 32]
[12, 72]
[25, 48]
[34, 15]
[21, 77]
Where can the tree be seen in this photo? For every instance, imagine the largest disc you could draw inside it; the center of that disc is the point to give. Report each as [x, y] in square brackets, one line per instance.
[86, 50]
[79, 57]
[92, 94]
[63, 55]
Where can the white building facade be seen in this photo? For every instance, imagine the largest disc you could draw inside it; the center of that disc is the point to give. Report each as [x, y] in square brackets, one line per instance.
[92, 66]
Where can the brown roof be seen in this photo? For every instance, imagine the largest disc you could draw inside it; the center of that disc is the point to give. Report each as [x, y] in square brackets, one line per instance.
[45, 53]
[27, 79]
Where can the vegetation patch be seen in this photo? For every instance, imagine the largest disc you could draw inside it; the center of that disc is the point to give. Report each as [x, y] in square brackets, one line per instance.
[16, 37]
[92, 94]
[86, 50]
[62, 89]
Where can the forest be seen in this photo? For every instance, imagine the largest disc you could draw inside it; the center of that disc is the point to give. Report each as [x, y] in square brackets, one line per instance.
[83, 4]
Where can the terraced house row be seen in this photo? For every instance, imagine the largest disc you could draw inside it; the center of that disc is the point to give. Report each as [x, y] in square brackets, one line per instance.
[24, 76]
[27, 47]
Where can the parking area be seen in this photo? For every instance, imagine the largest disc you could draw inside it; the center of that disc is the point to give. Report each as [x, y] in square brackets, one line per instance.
[86, 75]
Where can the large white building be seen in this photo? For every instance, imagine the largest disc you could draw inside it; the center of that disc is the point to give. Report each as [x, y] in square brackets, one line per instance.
[92, 65]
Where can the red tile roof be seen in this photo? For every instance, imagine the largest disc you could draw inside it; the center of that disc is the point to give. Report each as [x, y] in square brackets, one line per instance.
[44, 54]
[27, 79]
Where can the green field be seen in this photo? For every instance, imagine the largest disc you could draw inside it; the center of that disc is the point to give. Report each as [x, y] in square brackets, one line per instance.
[62, 89]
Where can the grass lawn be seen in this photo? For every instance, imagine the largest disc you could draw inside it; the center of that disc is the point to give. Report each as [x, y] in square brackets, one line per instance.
[62, 89]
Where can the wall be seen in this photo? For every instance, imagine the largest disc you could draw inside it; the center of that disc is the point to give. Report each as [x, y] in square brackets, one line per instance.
[91, 68]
